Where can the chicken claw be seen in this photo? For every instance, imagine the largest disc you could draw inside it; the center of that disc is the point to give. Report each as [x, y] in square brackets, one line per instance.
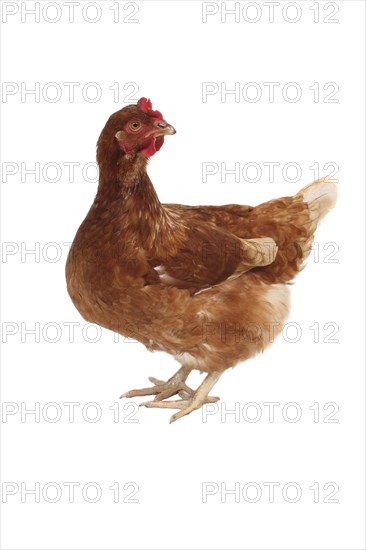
[163, 390]
[188, 403]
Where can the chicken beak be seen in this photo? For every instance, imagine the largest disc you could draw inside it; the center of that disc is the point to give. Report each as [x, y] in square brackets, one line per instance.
[164, 129]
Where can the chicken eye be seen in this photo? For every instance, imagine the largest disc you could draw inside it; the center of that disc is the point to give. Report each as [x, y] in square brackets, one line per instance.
[135, 125]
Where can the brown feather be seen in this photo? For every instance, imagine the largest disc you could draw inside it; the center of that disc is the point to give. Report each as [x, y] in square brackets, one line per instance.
[184, 279]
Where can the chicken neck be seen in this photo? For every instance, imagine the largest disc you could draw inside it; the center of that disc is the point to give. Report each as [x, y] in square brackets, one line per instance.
[129, 194]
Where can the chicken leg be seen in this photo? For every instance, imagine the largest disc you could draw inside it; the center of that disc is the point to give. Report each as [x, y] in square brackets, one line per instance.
[189, 402]
[163, 390]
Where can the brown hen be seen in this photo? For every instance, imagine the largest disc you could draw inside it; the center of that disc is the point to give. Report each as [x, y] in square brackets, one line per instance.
[207, 284]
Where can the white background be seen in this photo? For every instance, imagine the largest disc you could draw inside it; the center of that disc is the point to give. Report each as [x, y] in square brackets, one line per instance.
[169, 53]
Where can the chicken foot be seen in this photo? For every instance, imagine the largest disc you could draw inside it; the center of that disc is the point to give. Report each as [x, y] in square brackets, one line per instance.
[189, 402]
[162, 390]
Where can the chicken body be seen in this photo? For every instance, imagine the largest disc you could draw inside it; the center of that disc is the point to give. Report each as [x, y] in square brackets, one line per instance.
[206, 284]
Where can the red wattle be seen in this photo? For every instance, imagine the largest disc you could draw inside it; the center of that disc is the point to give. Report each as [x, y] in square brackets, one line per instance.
[159, 142]
[150, 150]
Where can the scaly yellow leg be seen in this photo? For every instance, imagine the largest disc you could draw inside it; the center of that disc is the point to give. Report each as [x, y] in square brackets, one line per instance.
[163, 390]
[194, 401]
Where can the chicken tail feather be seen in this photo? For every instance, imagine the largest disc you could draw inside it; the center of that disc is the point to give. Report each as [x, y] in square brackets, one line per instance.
[321, 196]
[295, 221]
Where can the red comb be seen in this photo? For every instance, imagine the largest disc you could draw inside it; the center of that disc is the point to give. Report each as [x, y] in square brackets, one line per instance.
[146, 106]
